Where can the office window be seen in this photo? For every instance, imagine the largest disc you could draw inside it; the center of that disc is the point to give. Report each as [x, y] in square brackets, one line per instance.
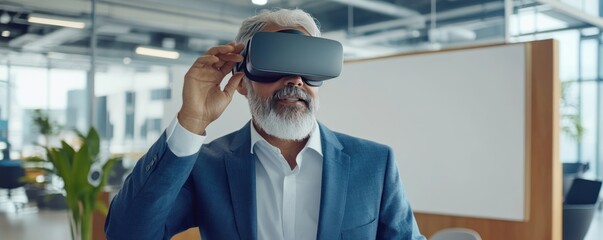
[4, 93]
[129, 114]
[588, 118]
[579, 63]
[588, 64]
[568, 147]
[125, 91]
[587, 6]
[103, 119]
[599, 131]
[161, 94]
[51, 90]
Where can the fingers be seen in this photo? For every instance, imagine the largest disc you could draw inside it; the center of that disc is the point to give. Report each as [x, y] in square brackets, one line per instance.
[232, 58]
[221, 49]
[225, 54]
[229, 59]
[233, 83]
[217, 60]
[206, 60]
[224, 49]
[227, 67]
[213, 59]
[238, 47]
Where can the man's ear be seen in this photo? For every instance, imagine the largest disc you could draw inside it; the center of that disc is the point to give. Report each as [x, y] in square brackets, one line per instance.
[242, 88]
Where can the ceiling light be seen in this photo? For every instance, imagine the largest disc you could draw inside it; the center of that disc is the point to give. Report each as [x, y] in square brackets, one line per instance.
[590, 31]
[57, 55]
[5, 18]
[155, 52]
[6, 33]
[56, 22]
[127, 60]
[259, 2]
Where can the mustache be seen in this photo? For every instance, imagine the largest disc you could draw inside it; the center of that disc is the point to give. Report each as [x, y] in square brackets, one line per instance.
[292, 92]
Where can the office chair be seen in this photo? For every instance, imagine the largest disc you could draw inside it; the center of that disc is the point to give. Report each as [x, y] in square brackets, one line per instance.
[11, 173]
[456, 234]
[579, 207]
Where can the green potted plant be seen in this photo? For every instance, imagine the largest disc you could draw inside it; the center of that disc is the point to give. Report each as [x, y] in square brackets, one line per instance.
[84, 176]
[571, 124]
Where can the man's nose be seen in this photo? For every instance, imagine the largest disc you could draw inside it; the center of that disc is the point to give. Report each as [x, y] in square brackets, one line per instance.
[293, 80]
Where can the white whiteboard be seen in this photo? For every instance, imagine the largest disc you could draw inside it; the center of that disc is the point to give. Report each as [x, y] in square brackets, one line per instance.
[455, 119]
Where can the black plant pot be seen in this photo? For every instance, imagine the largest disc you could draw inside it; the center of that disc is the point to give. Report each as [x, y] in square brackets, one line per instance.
[53, 201]
[33, 192]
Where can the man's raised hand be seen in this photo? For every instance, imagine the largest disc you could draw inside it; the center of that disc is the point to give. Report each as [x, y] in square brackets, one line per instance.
[203, 101]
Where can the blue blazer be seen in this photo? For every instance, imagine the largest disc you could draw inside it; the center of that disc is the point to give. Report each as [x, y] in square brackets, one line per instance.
[214, 189]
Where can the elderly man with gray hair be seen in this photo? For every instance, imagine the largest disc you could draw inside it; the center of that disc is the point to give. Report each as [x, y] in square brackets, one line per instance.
[283, 175]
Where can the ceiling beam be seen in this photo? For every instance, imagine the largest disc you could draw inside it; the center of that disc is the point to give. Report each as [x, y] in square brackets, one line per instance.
[196, 9]
[23, 39]
[394, 32]
[444, 15]
[385, 8]
[192, 21]
[578, 14]
[56, 38]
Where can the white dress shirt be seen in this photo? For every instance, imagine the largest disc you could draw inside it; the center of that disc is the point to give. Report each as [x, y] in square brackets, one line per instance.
[288, 201]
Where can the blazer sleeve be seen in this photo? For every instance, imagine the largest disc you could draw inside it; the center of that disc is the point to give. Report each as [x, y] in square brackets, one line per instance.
[155, 201]
[396, 219]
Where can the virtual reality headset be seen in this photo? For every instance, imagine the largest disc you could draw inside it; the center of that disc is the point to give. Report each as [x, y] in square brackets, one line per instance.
[270, 56]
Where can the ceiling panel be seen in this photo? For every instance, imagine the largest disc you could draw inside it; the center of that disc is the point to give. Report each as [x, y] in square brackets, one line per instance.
[365, 27]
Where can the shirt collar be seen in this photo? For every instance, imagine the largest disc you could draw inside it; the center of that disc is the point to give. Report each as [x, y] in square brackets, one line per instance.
[313, 143]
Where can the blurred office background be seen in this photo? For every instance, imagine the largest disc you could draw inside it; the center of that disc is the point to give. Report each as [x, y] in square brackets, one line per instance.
[87, 63]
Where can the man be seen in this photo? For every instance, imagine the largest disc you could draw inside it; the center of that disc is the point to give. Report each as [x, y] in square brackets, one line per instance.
[282, 176]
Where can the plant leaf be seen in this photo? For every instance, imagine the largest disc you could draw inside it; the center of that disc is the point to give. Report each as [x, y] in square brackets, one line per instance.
[80, 134]
[69, 151]
[61, 163]
[105, 174]
[48, 170]
[107, 169]
[81, 167]
[35, 159]
[93, 141]
[101, 207]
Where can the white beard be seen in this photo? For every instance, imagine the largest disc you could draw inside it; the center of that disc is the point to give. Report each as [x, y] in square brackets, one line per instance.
[287, 123]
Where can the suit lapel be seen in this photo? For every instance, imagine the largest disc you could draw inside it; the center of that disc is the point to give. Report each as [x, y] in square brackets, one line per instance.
[335, 174]
[240, 169]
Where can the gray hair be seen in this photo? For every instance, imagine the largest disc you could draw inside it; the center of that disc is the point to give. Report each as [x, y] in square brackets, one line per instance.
[280, 17]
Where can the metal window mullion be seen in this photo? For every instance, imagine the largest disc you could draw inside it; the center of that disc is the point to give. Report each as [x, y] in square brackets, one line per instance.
[579, 102]
[92, 72]
[598, 108]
